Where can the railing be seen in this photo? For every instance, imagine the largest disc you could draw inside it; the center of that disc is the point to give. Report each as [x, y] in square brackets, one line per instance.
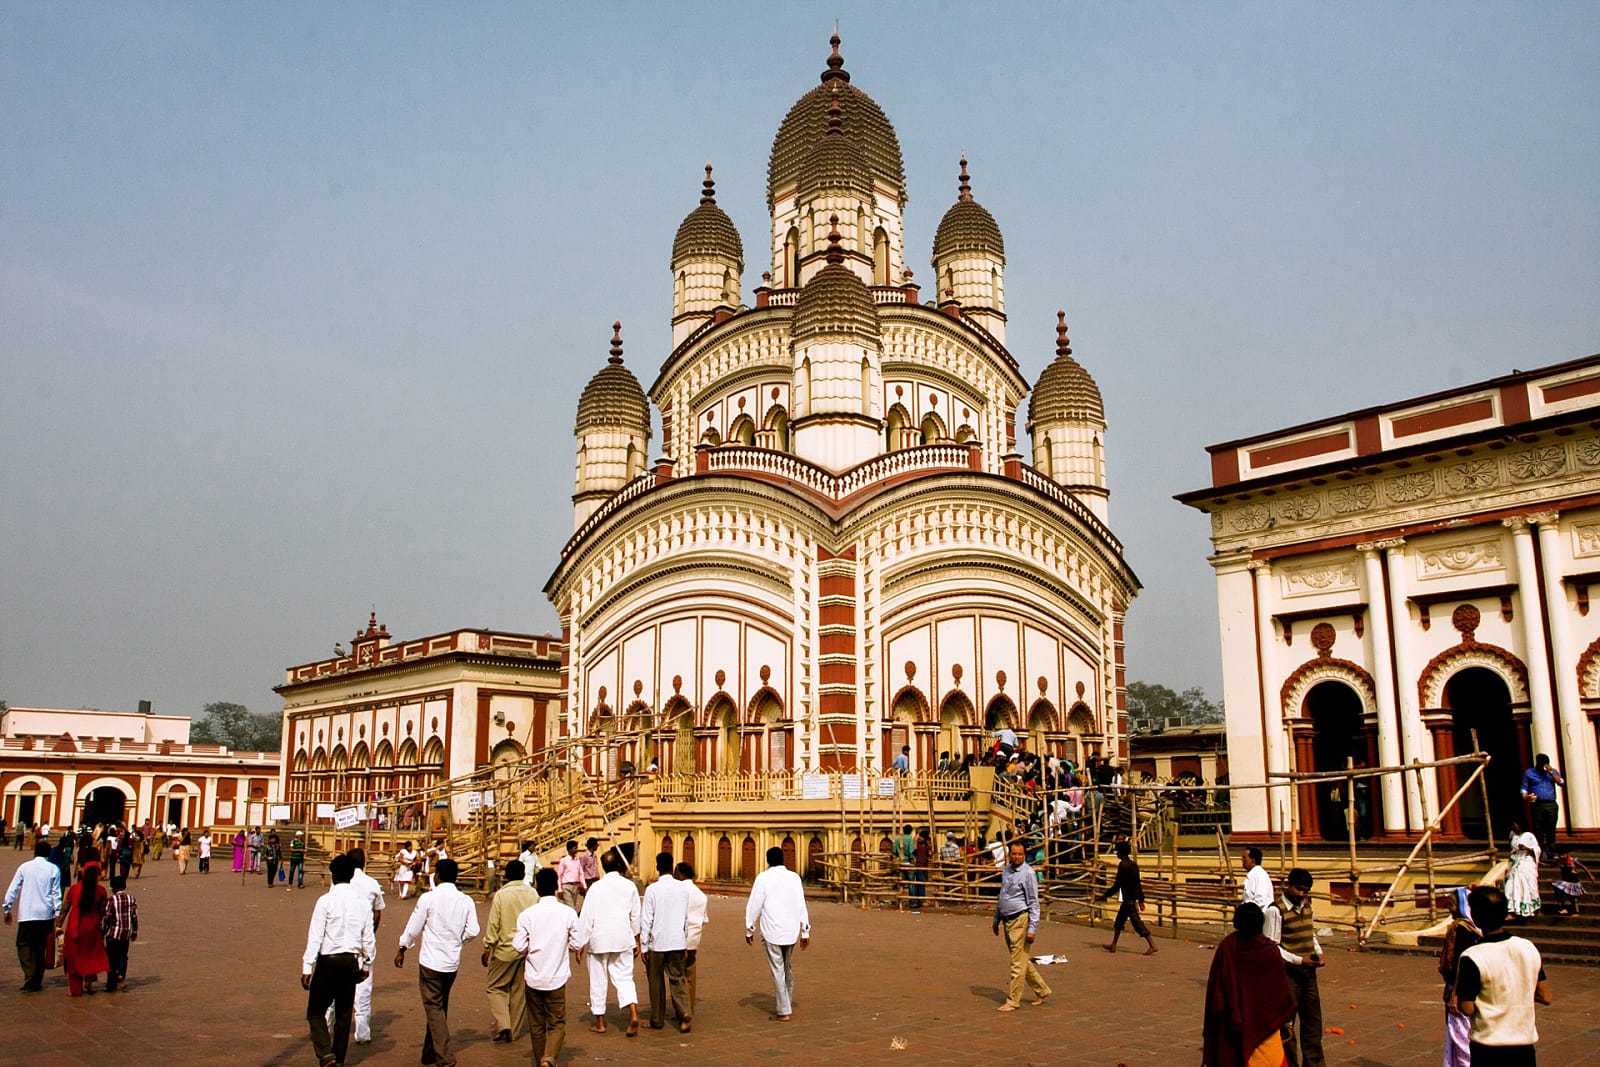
[1034, 480]
[740, 458]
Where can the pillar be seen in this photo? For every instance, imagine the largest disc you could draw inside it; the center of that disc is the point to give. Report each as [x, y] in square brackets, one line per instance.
[1575, 733]
[1305, 759]
[1380, 654]
[1441, 724]
[1273, 739]
[1533, 648]
[1407, 708]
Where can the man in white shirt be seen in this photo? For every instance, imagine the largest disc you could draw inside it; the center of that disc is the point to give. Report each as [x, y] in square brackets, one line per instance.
[694, 927]
[531, 863]
[205, 850]
[546, 933]
[35, 896]
[368, 888]
[610, 915]
[443, 921]
[1257, 882]
[339, 953]
[778, 903]
[663, 939]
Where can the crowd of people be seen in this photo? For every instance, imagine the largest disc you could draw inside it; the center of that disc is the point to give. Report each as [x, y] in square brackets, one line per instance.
[86, 927]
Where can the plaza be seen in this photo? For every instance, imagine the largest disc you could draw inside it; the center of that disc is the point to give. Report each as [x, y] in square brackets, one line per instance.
[214, 979]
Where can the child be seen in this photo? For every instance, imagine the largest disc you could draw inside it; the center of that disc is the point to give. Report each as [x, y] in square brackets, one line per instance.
[1568, 888]
[120, 927]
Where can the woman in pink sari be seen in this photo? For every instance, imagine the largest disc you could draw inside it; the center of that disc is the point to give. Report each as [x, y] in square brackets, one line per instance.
[241, 841]
[83, 947]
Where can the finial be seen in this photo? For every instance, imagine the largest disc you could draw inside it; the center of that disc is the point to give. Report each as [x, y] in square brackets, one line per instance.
[835, 252]
[708, 189]
[1063, 347]
[616, 344]
[966, 185]
[835, 69]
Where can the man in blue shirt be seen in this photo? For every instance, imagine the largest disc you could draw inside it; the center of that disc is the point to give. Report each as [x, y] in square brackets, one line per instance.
[1539, 789]
[902, 762]
[35, 894]
[1017, 911]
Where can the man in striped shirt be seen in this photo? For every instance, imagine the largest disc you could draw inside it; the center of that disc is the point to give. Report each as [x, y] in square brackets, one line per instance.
[119, 926]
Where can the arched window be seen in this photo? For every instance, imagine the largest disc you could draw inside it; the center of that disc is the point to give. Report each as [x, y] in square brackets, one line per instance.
[932, 429]
[633, 465]
[730, 289]
[791, 259]
[880, 257]
[1042, 460]
[802, 387]
[777, 431]
[895, 428]
[679, 284]
[866, 386]
[743, 431]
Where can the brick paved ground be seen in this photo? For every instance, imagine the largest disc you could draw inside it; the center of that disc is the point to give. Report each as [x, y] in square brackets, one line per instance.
[215, 981]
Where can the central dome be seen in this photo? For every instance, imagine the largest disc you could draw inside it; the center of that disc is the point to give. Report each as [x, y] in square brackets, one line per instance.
[865, 124]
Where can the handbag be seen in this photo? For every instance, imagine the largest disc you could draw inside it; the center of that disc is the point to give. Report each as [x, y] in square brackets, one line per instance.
[283, 875]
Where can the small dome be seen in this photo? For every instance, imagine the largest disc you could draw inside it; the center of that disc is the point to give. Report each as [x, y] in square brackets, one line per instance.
[835, 162]
[807, 122]
[835, 300]
[968, 227]
[707, 230]
[1065, 392]
[613, 396]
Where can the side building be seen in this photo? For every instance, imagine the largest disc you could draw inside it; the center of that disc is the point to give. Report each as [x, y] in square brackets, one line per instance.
[1396, 583]
[394, 718]
[65, 767]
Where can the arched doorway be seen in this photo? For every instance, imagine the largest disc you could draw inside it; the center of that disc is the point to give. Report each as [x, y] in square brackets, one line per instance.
[725, 717]
[954, 713]
[1479, 700]
[1335, 713]
[104, 804]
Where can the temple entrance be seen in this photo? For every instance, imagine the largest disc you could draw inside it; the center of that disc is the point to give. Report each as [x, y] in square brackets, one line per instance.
[1335, 713]
[1479, 700]
[104, 804]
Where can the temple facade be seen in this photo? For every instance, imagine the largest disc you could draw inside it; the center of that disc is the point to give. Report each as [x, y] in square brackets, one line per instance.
[838, 548]
[1403, 582]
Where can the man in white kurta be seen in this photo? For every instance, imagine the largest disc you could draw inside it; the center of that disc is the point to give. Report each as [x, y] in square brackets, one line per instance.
[610, 918]
[545, 934]
[695, 926]
[369, 889]
[778, 904]
[664, 939]
[1257, 882]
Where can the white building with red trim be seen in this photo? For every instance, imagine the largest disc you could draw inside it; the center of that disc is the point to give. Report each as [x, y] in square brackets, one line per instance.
[1391, 580]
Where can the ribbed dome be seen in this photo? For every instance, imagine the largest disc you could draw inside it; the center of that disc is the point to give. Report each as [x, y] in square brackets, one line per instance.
[707, 230]
[613, 396]
[835, 162]
[968, 227]
[807, 122]
[1065, 391]
[835, 300]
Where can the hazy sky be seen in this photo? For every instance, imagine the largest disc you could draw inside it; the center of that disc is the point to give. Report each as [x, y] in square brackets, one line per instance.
[296, 301]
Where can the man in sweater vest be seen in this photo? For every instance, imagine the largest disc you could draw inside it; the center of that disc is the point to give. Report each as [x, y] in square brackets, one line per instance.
[1498, 981]
[1290, 923]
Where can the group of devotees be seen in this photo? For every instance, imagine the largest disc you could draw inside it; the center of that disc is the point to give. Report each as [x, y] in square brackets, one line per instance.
[531, 940]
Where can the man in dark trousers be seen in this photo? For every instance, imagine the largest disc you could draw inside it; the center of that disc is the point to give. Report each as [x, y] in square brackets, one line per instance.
[1290, 923]
[1498, 982]
[35, 897]
[339, 951]
[1539, 789]
[1129, 888]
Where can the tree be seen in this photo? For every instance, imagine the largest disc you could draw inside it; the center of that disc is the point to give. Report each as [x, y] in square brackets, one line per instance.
[234, 725]
[1157, 702]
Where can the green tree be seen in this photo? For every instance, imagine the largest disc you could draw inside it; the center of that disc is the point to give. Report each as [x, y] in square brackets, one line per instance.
[1151, 701]
[234, 725]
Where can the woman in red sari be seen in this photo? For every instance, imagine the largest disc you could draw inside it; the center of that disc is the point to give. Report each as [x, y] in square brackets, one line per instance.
[83, 947]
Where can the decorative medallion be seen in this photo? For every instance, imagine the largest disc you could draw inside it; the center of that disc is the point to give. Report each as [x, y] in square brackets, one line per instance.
[1405, 488]
[1588, 452]
[1537, 463]
[955, 672]
[435, 724]
[1588, 538]
[638, 688]
[1300, 508]
[911, 670]
[603, 690]
[1477, 474]
[385, 729]
[765, 673]
[361, 731]
[511, 727]
[1465, 619]
[1000, 680]
[409, 726]
[1250, 518]
[1319, 578]
[719, 678]
[1079, 688]
[1323, 636]
[1348, 499]
[1460, 558]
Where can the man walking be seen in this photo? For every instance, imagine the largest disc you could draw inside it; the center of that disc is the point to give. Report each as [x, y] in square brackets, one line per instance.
[547, 933]
[1290, 923]
[778, 904]
[1257, 882]
[696, 926]
[35, 897]
[1539, 789]
[272, 854]
[1498, 982]
[508, 1006]
[530, 862]
[368, 889]
[1016, 911]
[1129, 888]
[442, 921]
[663, 941]
[611, 915]
[297, 860]
[569, 873]
[339, 952]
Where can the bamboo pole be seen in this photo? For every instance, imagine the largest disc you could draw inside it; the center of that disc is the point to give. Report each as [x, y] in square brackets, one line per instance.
[1426, 836]
[1422, 799]
[1350, 833]
[1488, 811]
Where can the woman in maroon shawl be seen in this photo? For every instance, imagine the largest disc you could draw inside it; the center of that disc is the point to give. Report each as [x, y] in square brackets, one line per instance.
[83, 947]
[1247, 997]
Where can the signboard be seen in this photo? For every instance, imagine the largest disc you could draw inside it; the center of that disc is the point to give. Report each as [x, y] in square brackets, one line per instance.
[344, 818]
[814, 787]
[474, 801]
[279, 813]
[324, 811]
[886, 787]
[851, 784]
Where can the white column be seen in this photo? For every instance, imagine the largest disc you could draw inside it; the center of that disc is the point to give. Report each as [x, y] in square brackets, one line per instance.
[67, 803]
[144, 803]
[1380, 653]
[1577, 736]
[1409, 713]
[208, 801]
[1241, 689]
[1279, 801]
[1533, 651]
